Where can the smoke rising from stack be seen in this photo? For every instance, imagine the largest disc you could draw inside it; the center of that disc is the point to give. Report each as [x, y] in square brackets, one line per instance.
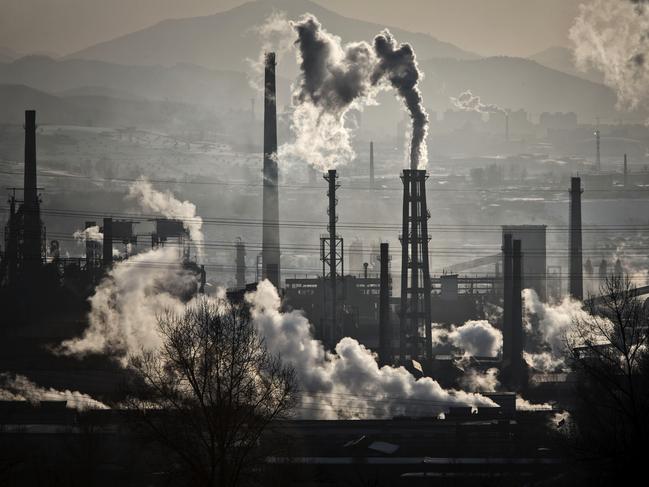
[613, 38]
[20, 388]
[336, 78]
[167, 205]
[276, 35]
[468, 102]
[475, 381]
[91, 234]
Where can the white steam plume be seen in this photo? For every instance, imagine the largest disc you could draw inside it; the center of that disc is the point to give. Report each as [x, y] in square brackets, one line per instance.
[167, 205]
[276, 35]
[335, 78]
[475, 338]
[20, 388]
[348, 383]
[476, 381]
[613, 37]
[525, 405]
[468, 102]
[89, 234]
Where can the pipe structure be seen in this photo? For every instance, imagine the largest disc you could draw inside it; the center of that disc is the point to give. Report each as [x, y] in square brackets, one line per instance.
[507, 299]
[385, 329]
[107, 246]
[372, 165]
[32, 254]
[517, 314]
[575, 245]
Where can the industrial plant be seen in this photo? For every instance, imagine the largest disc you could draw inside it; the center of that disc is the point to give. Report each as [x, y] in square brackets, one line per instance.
[383, 279]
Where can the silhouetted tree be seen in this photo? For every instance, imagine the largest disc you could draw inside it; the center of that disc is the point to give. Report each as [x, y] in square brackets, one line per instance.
[608, 351]
[210, 391]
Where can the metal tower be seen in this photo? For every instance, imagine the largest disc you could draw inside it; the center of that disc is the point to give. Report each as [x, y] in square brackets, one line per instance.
[415, 271]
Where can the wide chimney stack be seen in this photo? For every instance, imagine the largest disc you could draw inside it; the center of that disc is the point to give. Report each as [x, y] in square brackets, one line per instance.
[575, 248]
[32, 229]
[270, 239]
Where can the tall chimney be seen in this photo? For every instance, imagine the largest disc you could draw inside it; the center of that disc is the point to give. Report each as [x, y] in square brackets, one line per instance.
[598, 160]
[32, 229]
[240, 264]
[507, 298]
[575, 265]
[270, 239]
[626, 171]
[372, 165]
[385, 329]
[107, 247]
[91, 247]
[517, 314]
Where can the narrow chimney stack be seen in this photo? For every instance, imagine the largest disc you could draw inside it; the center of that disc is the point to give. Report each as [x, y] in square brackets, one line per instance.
[107, 246]
[270, 237]
[32, 254]
[385, 328]
[372, 165]
[517, 314]
[575, 246]
[507, 298]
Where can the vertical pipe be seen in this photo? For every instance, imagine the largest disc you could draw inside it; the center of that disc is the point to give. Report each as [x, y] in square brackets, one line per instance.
[385, 331]
[626, 169]
[425, 269]
[507, 298]
[332, 252]
[271, 240]
[240, 263]
[107, 248]
[405, 246]
[372, 165]
[90, 248]
[517, 313]
[32, 221]
[575, 247]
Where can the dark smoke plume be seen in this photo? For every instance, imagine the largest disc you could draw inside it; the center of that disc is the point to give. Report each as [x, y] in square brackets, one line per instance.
[399, 65]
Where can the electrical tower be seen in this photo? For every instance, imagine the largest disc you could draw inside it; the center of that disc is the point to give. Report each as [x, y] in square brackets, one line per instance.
[415, 271]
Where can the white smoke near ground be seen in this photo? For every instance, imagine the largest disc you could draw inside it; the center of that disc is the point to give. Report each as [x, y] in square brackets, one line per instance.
[90, 234]
[476, 381]
[523, 404]
[468, 102]
[165, 203]
[20, 388]
[475, 337]
[336, 78]
[276, 35]
[544, 361]
[613, 37]
[346, 383]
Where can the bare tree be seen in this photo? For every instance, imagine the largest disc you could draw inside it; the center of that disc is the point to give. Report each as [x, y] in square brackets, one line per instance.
[210, 391]
[608, 351]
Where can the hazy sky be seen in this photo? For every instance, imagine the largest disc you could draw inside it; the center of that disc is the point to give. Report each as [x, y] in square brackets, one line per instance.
[511, 27]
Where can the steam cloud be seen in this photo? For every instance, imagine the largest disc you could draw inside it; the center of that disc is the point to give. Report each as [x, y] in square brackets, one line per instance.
[475, 338]
[612, 37]
[167, 205]
[89, 234]
[468, 102]
[475, 381]
[349, 382]
[276, 35]
[20, 388]
[336, 78]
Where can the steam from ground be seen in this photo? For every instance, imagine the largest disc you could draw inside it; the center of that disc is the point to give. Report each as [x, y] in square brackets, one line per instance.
[20, 388]
[525, 405]
[476, 381]
[612, 37]
[349, 382]
[167, 205]
[336, 78]
[475, 338]
[468, 102]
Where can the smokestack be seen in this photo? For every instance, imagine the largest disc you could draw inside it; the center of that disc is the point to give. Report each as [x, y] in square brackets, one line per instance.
[385, 330]
[32, 229]
[507, 298]
[598, 161]
[626, 169]
[240, 264]
[372, 165]
[507, 126]
[334, 257]
[575, 249]
[517, 314]
[270, 240]
[107, 247]
[91, 245]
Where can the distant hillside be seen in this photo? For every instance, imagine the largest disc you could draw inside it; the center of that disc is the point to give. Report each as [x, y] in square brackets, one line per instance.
[225, 40]
[562, 59]
[518, 83]
[15, 99]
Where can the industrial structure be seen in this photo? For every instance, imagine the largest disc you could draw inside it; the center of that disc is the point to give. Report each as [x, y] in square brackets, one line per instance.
[270, 243]
[575, 270]
[533, 246]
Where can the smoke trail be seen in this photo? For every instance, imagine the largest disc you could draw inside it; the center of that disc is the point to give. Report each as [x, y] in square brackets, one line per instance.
[166, 204]
[613, 37]
[468, 102]
[475, 381]
[475, 338]
[334, 79]
[20, 388]
[276, 35]
[349, 382]
[89, 234]
[399, 64]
